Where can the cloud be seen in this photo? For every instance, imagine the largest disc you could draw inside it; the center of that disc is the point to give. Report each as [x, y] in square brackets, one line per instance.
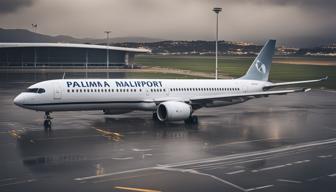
[9, 6]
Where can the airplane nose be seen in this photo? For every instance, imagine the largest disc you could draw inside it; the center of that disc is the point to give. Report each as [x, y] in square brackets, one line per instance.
[18, 100]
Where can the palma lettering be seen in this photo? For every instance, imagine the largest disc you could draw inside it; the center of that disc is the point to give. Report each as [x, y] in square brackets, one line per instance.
[83, 84]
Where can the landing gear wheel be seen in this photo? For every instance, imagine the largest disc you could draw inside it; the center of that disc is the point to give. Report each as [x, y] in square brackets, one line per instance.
[155, 117]
[47, 125]
[192, 120]
[47, 121]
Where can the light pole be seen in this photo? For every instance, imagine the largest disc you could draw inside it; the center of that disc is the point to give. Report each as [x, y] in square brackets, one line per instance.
[217, 10]
[107, 48]
[34, 27]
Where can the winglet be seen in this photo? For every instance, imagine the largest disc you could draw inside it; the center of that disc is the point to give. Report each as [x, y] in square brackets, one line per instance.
[324, 78]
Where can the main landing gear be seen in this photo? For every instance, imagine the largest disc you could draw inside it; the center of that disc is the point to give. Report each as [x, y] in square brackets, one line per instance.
[47, 121]
[155, 117]
[192, 120]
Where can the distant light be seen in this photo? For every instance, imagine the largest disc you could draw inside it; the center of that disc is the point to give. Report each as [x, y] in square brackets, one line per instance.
[217, 9]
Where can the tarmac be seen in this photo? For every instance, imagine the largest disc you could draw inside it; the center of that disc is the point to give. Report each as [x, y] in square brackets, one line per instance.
[279, 143]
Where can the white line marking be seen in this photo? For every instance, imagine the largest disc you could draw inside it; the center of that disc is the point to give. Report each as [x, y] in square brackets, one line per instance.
[261, 187]
[122, 158]
[7, 179]
[332, 175]
[313, 179]
[113, 173]
[235, 172]
[18, 182]
[146, 155]
[268, 168]
[325, 156]
[223, 158]
[289, 181]
[141, 150]
[280, 166]
[243, 142]
[204, 174]
[256, 153]
[223, 164]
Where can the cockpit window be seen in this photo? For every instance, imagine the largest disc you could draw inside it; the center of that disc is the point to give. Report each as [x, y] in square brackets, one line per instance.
[35, 90]
[40, 90]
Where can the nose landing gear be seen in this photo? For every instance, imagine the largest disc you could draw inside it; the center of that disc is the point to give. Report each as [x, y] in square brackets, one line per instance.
[47, 121]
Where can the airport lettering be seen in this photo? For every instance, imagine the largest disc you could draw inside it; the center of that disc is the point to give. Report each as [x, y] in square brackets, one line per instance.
[138, 84]
[83, 84]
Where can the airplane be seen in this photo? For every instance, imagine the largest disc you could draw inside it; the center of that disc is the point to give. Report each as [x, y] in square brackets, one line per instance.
[169, 100]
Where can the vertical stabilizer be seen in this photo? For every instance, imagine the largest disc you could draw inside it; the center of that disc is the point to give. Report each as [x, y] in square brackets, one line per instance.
[261, 66]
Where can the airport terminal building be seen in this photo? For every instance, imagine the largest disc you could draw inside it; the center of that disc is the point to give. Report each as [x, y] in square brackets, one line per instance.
[65, 55]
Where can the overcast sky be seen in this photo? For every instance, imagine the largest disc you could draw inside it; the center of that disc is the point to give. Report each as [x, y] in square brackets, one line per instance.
[297, 23]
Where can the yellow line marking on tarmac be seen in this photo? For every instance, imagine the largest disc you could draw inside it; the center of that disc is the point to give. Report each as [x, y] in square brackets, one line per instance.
[109, 134]
[15, 134]
[136, 189]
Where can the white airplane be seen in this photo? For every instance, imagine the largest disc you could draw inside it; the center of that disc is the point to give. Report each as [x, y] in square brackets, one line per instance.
[170, 100]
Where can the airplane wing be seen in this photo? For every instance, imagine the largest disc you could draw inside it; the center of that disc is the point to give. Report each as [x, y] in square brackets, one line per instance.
[203, 100]
[293, 83]
[245, 96]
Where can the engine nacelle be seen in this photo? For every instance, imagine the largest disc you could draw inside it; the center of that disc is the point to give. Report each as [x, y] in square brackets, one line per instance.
[173, 111]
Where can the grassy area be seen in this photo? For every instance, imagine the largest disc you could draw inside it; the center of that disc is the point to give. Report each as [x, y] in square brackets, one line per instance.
[237, 66]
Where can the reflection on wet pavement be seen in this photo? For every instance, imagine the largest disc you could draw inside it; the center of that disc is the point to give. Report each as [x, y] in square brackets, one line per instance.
[277, 143]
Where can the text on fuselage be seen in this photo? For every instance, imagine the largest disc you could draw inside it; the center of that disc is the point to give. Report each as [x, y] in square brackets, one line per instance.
[83, 84]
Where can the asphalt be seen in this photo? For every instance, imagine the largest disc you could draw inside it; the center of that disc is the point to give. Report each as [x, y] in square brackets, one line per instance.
[279, 143]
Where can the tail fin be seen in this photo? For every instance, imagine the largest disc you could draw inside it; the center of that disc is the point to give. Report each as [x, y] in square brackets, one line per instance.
[261, 66]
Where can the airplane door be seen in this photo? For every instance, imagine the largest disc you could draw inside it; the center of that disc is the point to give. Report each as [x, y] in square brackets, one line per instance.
[57, 91]
[244, 87]
[167, 91]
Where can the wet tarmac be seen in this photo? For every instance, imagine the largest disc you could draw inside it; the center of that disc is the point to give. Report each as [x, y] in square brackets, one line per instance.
[280, 143]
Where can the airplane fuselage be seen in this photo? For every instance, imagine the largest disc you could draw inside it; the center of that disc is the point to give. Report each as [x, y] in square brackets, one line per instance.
[130, 94]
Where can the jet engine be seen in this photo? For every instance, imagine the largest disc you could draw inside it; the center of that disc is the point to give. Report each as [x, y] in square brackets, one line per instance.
[173, 111]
